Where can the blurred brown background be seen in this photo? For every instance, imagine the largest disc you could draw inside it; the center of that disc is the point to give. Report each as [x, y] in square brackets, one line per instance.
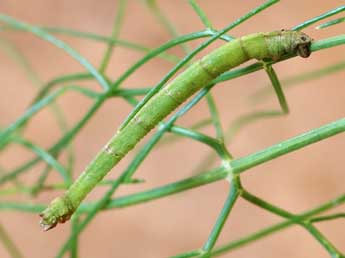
[296, 182]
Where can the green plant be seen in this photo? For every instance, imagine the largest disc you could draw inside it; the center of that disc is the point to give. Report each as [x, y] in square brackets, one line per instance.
[230, 169]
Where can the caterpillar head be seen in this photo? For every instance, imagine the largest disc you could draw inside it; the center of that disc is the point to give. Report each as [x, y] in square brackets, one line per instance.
[302, 43]
[285, 42]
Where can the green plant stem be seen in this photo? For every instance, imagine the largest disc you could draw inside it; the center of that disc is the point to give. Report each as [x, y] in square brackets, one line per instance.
[331, 249]
[328, 43]
[295, 143]
[246, 119]
[269, 230]
[198, 125]
[24, 63]
[328, 217]
[40, 184]
[289, 82]
[213, 143]
[67, 78]
[50, 160]
[319, 18]
[28, 114]
[116, 30]
[215, 117]
[152, 4]
[166, 190]
[277, 88]
[207, 23]
[74, 241]
[58, 43]
[294, 218]
[99, 38]
[222, 218]
[331, 23]
[58, 146]
[9, 244]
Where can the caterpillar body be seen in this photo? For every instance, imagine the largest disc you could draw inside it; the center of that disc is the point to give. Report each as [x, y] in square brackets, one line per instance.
[258, 46]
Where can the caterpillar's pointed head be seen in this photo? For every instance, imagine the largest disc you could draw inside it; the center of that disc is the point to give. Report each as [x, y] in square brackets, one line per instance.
[302, 43]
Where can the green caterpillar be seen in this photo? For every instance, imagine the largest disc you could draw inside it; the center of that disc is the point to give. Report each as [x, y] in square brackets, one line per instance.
[259, 46]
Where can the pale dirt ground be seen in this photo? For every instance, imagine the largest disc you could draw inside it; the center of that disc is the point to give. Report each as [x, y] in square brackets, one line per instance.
[297, 181]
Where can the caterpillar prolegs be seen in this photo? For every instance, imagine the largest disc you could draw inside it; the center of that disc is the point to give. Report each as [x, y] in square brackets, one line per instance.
[258, 46]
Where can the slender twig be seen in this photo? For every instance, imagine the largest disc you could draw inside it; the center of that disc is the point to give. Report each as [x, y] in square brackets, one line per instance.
[9, 244]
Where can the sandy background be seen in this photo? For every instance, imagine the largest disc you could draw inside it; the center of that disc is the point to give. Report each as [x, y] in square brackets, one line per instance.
[296, 182]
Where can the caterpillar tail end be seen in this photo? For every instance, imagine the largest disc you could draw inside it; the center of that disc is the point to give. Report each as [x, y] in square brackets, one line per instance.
[58, 211]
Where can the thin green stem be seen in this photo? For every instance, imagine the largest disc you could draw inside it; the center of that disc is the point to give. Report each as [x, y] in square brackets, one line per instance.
[250, 238]
[289, 82]
[118, 42]
[47, 87]
[294, 218]
[59, 145]
[277, 88]
[235, 127]
[116, 30]
[238, 124]
[24, 63]
[222, 218]
[9, 244]
[330, 248]
[165, 190]
[58, 43]
[267, 206]
[213, 143]
[29, 113]
[331, 23]
[205, 20]
[319, 18]
[44, 155]
[295, 143]
[100, 38]
[40, 183]
[207, 23]
[328, 43]
[153, 6]
[269, 230]
[198, 125]
[74, 241]
[215, 117]
[328, 217]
